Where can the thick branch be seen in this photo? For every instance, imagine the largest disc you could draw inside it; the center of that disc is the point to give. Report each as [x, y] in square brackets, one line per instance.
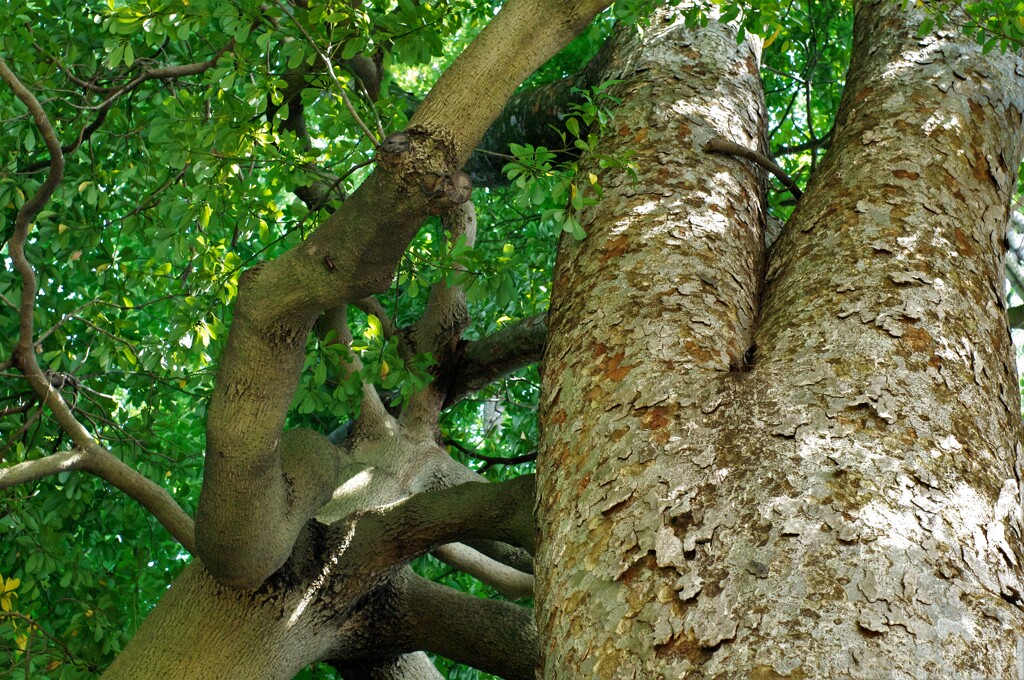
[534, 116]
[411, 666]
[523, 36]
[474, 510]
[352, 254]
[308, 466]
[479, 363]
[496, 637]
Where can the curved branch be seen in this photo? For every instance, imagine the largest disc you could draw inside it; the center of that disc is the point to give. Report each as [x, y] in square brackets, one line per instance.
[510, 582]
[724, 146]
[100, 462]
[479, 363]
[517, 558]
[31, 207]
[92, 457]
[444, 320]
[492, 460]
[496, 637]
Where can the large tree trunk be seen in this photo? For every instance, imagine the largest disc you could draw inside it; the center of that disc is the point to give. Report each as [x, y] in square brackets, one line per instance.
[816, 480]
[203, 631]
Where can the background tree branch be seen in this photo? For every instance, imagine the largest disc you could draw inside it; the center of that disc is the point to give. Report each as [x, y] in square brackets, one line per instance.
[478, 363]
[510, 582]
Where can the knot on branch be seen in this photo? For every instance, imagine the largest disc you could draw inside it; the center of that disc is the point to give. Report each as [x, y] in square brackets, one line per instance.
[393, 146]
[446, 191]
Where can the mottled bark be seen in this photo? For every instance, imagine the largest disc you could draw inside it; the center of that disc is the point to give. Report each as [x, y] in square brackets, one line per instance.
[832, 492]
[203, 631]
[647, 314]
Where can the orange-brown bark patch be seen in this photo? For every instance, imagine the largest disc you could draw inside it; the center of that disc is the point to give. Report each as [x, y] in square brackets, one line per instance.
[963, 242]
[905, 174]
[614, 247]
[697, 352]
[863, 94]
[657, 417]
[917, 339]
[613, 370]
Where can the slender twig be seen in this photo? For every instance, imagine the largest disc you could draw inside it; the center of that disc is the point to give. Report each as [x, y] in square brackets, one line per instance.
[723, 146]
[166, 72]
[331, 74]
[12, 410]
[103, 107]
[491, 460]
[804, 146]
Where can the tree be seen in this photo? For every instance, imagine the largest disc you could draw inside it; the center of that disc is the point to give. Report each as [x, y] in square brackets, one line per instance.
[797, 460]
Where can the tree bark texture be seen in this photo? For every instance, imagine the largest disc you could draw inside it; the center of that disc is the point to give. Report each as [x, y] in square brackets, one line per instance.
[810, 472]
[204, 631]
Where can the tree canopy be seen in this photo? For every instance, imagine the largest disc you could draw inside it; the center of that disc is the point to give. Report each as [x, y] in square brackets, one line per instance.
[200, 139]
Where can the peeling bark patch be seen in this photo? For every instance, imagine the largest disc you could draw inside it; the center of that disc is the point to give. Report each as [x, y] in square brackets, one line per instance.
[657, 417]
[614, 248]
[917, 339]
[612, 369]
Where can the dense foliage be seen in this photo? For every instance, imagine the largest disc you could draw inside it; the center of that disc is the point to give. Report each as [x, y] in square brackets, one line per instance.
[175, 185]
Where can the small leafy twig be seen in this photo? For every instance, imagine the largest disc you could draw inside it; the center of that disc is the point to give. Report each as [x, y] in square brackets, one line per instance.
[331, 75]
[104, 106]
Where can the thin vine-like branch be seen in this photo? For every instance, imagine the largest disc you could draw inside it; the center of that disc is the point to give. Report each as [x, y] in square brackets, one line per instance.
[88, 455]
